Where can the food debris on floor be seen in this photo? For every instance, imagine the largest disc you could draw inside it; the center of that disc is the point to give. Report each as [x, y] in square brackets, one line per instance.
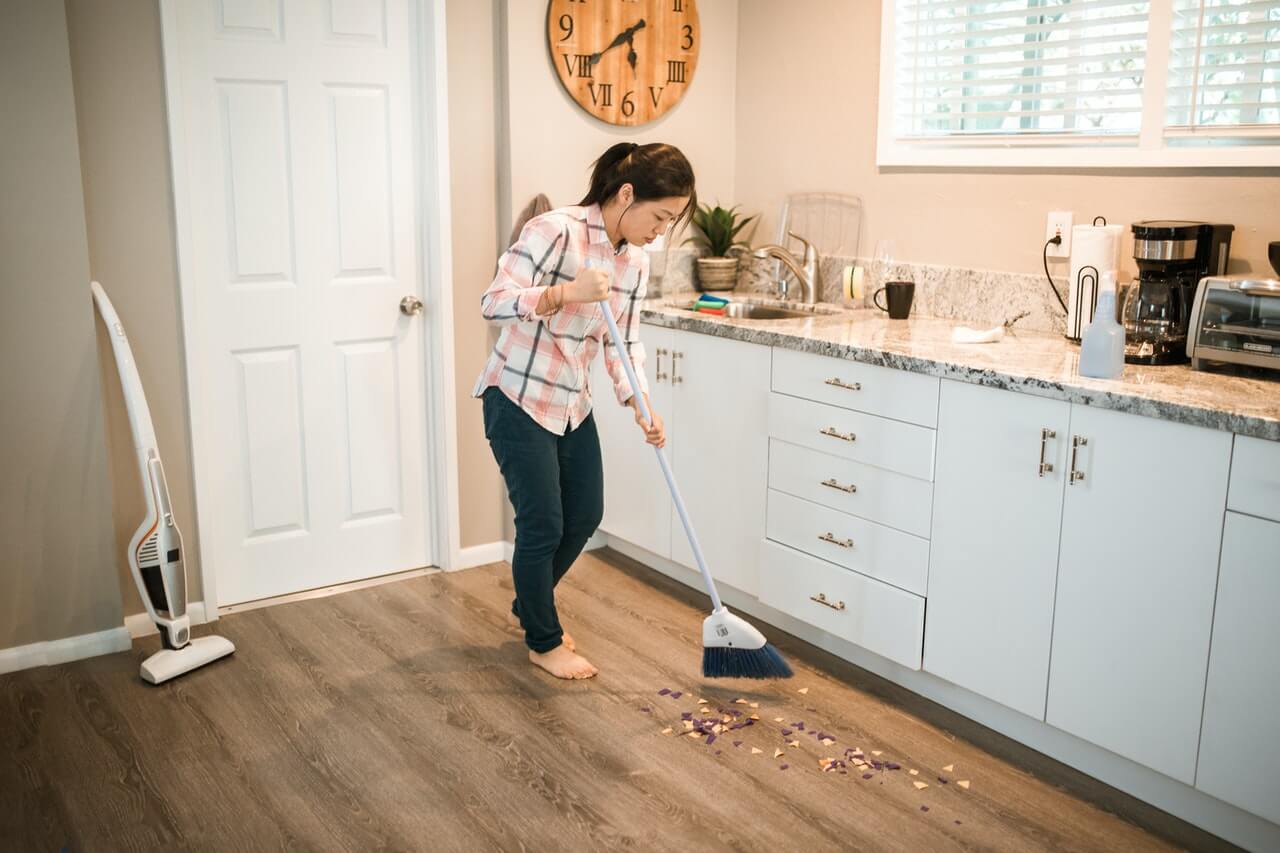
[804, 689]
[667, 730]
[777, 753]
[920, 786]
[755, 751]
[948, 768]
[964, 783]
[914, 772]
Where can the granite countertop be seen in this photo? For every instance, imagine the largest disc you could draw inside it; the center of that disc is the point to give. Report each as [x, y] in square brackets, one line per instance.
[1039, 363]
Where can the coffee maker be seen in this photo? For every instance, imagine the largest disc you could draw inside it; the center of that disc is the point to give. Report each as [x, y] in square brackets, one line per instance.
[1172, 257]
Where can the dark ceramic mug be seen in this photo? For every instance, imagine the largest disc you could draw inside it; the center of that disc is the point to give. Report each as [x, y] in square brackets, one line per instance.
[898, 295]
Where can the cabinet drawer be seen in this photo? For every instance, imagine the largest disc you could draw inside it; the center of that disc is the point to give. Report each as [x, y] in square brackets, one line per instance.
[872, 493]
[879, 552]
[872, 440]
[878, 617]
[1255, 477]
[869, 388]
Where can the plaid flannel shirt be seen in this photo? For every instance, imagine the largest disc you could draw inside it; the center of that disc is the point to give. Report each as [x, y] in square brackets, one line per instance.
[542, 362]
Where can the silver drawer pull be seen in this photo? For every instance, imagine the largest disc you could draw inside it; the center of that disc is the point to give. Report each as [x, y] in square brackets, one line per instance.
[835, 433]
[832, 484]
[829, 537]
[1076, 475]
[1045, 435]
[836, 382]
[821, 598]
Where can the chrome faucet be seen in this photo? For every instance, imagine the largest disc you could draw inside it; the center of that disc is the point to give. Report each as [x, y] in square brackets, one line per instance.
[806, 275]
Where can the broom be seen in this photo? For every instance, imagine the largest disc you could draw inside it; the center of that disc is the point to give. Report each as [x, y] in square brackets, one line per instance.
[731, 647]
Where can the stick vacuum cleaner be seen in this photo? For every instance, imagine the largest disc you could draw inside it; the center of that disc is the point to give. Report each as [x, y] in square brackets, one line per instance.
[155, 550]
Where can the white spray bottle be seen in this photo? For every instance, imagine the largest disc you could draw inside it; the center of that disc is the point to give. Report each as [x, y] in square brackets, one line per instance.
[1102, 345]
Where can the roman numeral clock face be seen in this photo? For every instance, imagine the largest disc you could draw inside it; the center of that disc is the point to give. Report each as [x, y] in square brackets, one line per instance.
[624, 61]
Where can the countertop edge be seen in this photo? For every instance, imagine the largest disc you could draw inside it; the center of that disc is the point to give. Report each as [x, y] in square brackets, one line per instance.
[1212, 418]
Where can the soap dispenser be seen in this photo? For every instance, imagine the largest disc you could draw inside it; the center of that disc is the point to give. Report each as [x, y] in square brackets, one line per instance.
[1102, 345]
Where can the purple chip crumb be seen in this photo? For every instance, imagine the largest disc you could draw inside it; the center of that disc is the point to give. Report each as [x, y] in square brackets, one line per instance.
[783, 766]
[645, 709]
[676, 694]
[717, 752]
[737, 743]
[866, 776]
[943, 781]
[891, 766]
[664, 691]
[711, 739]
[687, 715]
[924, 808]
[786, 732]
[957, 823]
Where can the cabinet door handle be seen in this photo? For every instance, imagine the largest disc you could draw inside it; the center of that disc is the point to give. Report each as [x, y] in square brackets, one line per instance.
[830, 537]
[821, 598]
[676, 378]
[835, 433]
[659, 375]
[832, 484]
[835, 381]
[1077, 442]
[1045, 435]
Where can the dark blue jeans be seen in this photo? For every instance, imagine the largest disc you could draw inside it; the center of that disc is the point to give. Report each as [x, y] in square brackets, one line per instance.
[556, 485]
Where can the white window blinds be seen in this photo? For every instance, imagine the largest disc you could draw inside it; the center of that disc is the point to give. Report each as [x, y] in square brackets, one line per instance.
[1224, 68]
[1023, 68]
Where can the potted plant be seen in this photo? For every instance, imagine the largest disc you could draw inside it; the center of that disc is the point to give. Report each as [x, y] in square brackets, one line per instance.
[716, 232]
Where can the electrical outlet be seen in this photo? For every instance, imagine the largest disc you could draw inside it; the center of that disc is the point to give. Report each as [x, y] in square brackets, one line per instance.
[1059, 225]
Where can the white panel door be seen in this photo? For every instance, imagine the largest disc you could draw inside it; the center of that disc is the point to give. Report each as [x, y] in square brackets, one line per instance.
[1136, 576]
[997, 507]
[637, 505]
[720, 442]
[295, 123]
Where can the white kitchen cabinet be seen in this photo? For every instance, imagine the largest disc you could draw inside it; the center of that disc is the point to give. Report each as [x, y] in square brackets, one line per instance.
[997, 508]
[1137, 569]
[1240, 739]
[720, 446]
[637, 505]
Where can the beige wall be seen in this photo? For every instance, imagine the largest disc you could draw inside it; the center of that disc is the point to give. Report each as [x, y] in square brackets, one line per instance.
[472, 37]
[124, 154]
[57, 573]
[806, 120]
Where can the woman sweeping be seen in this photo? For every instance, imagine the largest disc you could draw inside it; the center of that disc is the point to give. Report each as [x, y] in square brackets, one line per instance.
[537, 402]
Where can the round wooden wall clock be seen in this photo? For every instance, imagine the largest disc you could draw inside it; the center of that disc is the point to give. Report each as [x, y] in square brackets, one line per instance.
[624, 61]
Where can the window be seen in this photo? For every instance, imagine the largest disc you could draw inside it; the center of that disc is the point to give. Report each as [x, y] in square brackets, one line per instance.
[1080, 82]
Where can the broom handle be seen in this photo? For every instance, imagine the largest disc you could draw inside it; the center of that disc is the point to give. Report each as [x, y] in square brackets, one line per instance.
[625, 358]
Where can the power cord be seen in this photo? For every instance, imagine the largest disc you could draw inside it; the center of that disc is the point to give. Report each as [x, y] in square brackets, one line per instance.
[1055, 240]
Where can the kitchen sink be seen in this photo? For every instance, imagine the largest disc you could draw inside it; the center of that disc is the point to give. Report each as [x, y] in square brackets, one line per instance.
[758, 311]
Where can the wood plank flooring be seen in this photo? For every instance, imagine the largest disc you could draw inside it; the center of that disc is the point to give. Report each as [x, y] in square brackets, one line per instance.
[406, 717]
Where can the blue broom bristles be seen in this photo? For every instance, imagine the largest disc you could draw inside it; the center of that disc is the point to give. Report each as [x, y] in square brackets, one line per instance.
[727, 662]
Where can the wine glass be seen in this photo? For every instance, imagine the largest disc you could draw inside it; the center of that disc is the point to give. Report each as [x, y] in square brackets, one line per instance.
[883, 261]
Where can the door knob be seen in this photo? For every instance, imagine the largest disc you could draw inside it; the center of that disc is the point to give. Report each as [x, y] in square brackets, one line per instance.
[411, 306]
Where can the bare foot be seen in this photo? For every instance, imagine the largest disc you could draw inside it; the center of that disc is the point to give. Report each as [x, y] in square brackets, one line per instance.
[566, 638]
[563, 663]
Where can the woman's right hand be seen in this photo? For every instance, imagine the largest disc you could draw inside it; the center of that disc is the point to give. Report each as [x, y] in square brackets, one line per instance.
[591, 285]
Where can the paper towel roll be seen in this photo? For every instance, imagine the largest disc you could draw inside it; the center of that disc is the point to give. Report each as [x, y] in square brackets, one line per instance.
[1095, 249]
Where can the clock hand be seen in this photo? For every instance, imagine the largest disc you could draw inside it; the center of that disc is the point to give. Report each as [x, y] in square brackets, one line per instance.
[623, 37]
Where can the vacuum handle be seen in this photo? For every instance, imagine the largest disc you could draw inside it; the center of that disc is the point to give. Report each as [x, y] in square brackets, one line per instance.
[629, 368]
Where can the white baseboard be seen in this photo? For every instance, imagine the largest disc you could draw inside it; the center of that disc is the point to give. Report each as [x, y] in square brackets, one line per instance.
[140, 624]
[1195, 807]
[508, 551]
[480, 555]
[54, 652]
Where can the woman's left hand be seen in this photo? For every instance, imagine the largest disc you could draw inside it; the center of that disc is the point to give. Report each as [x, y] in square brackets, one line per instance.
[654, 433]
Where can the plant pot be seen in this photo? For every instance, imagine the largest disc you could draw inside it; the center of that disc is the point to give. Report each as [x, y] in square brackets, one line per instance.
[717, 273]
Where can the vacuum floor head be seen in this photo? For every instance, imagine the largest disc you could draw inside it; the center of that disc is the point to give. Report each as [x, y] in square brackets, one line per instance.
[171, 663]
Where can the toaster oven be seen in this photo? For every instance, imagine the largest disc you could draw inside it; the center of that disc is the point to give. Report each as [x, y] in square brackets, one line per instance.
[1235, 319]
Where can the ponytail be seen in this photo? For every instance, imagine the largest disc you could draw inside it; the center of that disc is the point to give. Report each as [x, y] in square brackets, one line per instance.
[655, 170]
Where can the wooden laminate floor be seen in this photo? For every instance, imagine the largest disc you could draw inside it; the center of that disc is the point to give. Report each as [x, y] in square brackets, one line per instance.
[406, 716]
